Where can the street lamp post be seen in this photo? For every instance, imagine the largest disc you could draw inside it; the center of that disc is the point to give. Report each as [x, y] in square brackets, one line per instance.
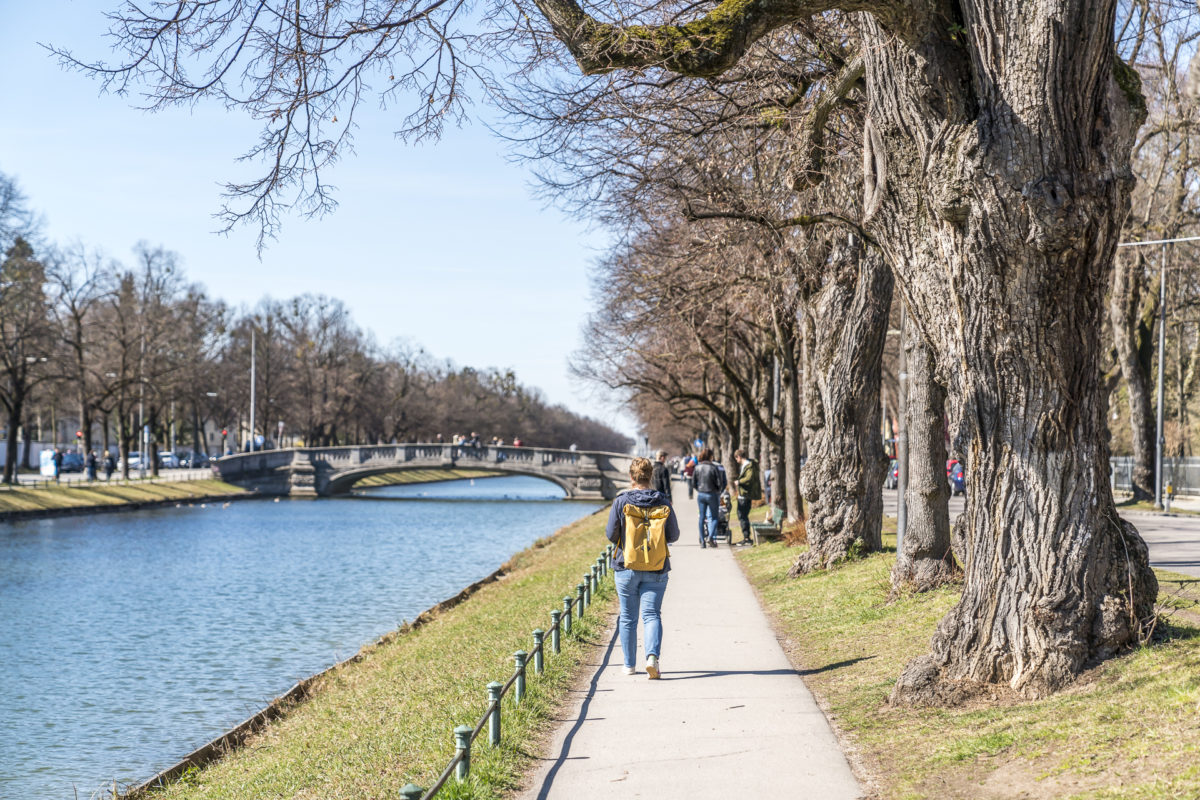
[1162, 335]
[252, 382]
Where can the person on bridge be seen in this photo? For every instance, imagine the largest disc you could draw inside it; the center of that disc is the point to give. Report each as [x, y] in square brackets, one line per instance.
[661, 481]
[710, 482]
[640, 589]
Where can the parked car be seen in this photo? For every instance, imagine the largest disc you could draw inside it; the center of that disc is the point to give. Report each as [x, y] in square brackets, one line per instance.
[193, 459]
[72, 462]
[167, 460]
[958, 481]
[893, 475]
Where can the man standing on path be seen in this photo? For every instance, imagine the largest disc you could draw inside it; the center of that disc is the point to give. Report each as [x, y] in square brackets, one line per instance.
[710, 482]
[747, 488]
[661, 480]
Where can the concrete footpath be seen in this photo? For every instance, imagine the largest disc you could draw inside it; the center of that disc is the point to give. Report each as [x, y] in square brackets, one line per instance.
[728, 718]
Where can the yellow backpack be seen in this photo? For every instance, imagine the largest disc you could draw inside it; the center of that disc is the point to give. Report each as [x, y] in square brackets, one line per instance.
[645, 545]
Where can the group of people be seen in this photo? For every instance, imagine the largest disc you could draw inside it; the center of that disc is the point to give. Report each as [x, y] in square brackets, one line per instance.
[91, 464]
[458, 440]
[641, 587]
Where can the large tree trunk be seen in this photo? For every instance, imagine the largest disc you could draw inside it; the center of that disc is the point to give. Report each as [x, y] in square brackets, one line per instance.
[925, 560]
[997, 178]
[842, 478]
[1133, 336]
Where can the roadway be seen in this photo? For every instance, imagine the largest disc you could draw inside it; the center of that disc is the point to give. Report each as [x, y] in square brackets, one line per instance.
[1174, 539]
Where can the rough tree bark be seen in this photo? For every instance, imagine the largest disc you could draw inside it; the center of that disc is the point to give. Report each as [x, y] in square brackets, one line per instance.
[1133, 319]
[996, 178]
[847, 320]
[925, 560]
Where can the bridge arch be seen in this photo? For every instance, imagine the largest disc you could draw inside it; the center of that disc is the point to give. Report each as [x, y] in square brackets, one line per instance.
[321, 471]
[345, 481]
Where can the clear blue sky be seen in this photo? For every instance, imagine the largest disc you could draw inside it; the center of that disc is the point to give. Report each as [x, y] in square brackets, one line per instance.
[442, 243]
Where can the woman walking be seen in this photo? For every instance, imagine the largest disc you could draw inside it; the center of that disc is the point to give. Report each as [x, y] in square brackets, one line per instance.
[641, 523]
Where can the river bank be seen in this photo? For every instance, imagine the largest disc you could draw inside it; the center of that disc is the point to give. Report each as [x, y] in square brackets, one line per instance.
[383, 718]
[21, 502]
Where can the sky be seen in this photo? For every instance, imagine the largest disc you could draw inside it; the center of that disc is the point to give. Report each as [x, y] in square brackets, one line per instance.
[441, 244]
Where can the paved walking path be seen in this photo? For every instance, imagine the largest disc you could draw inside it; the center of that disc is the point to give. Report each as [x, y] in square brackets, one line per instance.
[729, 718]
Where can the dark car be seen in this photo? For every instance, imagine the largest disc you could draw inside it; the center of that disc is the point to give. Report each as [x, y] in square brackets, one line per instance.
[893, 475]
[958, 481]
[72, 462]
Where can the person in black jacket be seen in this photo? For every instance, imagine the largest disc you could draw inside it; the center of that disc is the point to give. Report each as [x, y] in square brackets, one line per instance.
[661, 480]
[710, 482]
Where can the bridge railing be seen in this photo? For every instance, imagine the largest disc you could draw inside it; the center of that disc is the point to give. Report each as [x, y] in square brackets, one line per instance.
[364, 455]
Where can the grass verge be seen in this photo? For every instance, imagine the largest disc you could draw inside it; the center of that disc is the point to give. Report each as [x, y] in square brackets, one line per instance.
[1127, 729]
[84, 495]
[372, 726]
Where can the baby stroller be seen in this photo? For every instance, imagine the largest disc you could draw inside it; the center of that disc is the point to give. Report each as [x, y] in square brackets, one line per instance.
[723, 516]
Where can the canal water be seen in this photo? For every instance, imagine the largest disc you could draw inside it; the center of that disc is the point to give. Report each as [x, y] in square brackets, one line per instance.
[127, 640]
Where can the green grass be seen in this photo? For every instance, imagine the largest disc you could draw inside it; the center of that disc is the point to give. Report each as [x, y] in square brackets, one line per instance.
[1127, 729]
[374, 725]
[83, 495]
[1148, 505]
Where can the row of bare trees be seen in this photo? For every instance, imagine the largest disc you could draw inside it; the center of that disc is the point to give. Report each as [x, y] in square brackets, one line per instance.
[782, 173]
[114, 346]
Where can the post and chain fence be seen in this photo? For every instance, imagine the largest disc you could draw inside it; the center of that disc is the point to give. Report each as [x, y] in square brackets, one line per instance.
[561, 624]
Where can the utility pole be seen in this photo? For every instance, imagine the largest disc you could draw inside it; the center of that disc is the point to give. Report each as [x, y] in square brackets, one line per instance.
[252, 382]
[902, 438]
[1162, 336]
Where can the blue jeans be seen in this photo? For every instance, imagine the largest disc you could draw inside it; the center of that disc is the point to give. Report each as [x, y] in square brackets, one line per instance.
[710, 503]
[640, 591]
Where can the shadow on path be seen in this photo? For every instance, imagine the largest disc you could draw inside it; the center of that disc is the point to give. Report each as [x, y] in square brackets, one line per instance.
[579, 719]
[689, 675]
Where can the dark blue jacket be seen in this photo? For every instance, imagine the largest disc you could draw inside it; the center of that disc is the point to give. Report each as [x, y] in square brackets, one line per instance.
[642, 498]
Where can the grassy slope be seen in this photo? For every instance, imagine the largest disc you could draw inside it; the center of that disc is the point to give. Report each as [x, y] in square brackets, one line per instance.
[1128, 729]
[104, 494]
[377, 724]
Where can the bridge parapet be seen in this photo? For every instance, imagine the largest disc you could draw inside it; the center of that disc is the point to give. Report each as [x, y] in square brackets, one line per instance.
[312, 471]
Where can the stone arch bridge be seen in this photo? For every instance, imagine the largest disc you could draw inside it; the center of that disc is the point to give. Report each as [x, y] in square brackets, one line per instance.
[324, 471]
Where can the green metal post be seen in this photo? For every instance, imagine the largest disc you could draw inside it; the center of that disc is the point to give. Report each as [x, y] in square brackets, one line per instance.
[462, 744]
[412, 792]
[539, 651]
[555, 625]
[519, 687]
[566, 615]
[587, 587]
[580, 599]
[494, 689]
[595, 578]
[600, 564]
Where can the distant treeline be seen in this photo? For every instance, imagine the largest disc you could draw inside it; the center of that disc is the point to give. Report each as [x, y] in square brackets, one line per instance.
[100, 345]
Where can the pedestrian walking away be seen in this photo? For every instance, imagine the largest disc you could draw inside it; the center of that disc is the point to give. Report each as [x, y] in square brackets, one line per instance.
[641, 524]
[110, 464]
[689, 470]
[92, 463]
[748, 489]
[661, 480]
[710, 482]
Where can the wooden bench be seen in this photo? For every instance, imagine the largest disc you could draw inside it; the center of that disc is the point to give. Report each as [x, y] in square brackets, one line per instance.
[769, 530]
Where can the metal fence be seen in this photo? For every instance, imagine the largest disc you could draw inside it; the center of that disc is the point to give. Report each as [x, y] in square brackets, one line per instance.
[560, 625]
[1182, 474]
